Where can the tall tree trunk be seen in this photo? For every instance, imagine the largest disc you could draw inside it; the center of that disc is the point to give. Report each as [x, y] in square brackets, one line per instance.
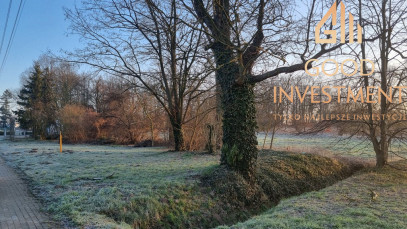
[239, 151]
[380, 147]
[178, 136]
[264, 139]
[382, 157]
[239, 124]
[272, 136]
[152, 132]
[210, 145]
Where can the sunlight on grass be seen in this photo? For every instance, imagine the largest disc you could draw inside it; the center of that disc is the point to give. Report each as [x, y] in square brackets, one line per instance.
[90, 186]
[347, 204]
[327, 144]
[95, 184]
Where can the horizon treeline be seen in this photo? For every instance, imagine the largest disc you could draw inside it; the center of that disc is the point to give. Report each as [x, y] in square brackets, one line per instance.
[90, 108]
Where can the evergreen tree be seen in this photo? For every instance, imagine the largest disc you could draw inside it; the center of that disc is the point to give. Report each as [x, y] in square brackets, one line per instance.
[30, 102]
[5, 109]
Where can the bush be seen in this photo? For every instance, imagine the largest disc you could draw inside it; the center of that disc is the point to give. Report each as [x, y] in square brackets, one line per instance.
[78, 123]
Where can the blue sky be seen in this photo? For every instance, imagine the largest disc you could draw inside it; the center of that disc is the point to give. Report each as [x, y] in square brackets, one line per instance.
[42, 27]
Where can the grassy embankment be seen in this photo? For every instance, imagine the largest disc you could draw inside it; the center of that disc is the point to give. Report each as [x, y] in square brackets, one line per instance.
[111, 186]
[347, 204]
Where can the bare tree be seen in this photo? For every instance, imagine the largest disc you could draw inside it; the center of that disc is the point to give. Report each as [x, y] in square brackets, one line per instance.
[384, 39]
[240, 32]
[147, 40]
[390, 28]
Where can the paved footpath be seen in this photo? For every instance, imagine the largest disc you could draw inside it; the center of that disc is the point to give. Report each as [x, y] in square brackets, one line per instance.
[18, 208]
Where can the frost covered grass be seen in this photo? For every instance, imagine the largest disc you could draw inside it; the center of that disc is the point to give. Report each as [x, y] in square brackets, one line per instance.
[328, 145]
[347, 204]
[91, 186]
[104, 186]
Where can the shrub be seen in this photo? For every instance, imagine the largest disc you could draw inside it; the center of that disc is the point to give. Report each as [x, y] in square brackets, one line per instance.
[78, 123]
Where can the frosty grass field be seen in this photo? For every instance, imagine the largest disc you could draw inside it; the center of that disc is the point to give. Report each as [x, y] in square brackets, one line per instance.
[95, 185]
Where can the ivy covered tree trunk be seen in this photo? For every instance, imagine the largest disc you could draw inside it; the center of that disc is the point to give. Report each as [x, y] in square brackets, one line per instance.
[239, 151]
[236, 38]
[178, 136]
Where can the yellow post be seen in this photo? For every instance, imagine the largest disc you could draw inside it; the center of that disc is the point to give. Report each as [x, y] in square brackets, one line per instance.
[60, 141]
